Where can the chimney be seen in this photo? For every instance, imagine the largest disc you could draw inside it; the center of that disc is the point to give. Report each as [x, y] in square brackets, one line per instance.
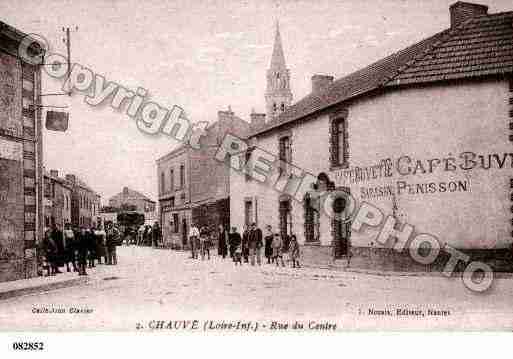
[125, 190]
[257, 120]
[461, 11]
[225, 115]
[54, 173]
[320, 83]
[71, 178]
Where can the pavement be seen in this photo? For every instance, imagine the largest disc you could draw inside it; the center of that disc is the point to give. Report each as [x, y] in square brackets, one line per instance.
[163, 285]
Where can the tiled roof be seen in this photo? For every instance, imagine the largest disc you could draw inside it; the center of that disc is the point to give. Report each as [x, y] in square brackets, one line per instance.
[479, 46]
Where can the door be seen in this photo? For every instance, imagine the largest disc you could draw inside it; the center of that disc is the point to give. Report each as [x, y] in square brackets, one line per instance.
[341, 229]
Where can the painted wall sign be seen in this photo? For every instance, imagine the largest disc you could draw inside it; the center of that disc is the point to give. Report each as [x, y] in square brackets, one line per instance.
[406, 165]
[10, 101]
[11, 150]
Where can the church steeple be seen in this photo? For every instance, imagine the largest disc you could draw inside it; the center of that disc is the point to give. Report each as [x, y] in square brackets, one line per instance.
[278, 95]
[278, 58]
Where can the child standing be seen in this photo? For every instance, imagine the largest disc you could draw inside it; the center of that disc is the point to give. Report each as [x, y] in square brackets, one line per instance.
[277, 250]
[237, 254]
[294, 251]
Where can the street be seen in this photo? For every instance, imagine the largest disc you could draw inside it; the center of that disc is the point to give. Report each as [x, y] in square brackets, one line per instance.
[164, 285]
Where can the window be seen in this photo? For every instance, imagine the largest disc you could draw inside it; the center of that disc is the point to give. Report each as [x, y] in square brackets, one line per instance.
[182, 176]
[248, 212]
[275, 107]
[247, 164]
[282, 107]
[172, 202]
[338, 142]
[312, 220]
[285, 152]
[176, 223]
[162, 182]
[172, 179]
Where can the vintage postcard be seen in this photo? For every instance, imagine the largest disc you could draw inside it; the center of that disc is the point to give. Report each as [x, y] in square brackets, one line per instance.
[232, 166]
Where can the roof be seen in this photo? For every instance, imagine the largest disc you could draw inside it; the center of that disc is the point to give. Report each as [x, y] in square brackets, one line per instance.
[480, 46]
[131, 193]
[211, 130]
[277, 58]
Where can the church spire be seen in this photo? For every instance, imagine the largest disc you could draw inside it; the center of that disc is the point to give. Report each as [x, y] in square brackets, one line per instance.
[278, 95]
[278, 58]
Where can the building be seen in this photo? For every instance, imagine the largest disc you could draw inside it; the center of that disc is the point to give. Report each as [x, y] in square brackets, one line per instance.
[20, 158]
[425, 134]
[278, 95]
[128, 197]
[57, 200]
[193, 186]
[85, 203]
[131, 200]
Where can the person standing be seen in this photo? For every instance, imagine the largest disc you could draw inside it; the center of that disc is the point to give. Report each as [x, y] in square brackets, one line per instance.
[49, 249]
[268, 241]
[294, 251]
[193, 236]
[58, 239]
[156, 235]
[101, 251]
[277, 250]
[110, 238]
[245, 244]
[237, 255]
[82, 246]
[204, 243]
[91, 245]
[255, 244]
[235, 242]
[69, 248]
[222, 241]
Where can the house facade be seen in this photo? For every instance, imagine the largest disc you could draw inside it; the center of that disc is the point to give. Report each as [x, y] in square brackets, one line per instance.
[21, 221]
[425, 135]
[57, 200]
[85, 203]
[194, 188]
[139, 201]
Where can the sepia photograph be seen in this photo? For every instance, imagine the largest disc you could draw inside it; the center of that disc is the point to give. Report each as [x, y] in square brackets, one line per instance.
[255, 167]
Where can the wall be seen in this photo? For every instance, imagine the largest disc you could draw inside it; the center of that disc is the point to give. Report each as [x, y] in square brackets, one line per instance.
[434, 122]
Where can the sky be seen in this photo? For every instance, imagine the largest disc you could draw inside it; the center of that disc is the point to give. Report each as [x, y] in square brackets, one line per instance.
[202, 56]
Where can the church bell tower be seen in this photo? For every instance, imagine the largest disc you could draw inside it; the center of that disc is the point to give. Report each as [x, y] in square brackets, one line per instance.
[278, 95]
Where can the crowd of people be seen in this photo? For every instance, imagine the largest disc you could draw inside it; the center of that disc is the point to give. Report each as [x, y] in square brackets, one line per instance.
[78, 249]
[245, 248]
[148, 236]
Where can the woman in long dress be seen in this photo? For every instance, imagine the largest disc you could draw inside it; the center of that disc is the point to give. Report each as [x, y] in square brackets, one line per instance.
[268, 240]
[101, 251]
[222, 241]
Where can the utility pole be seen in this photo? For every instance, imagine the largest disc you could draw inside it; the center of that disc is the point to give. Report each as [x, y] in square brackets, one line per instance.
[67, 41]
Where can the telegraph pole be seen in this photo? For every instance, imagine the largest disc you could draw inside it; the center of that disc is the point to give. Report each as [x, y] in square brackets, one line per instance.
[67, 41]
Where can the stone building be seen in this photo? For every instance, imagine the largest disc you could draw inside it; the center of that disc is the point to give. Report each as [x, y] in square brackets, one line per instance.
[193, 186]
[20, 157]
[129, 197]
[425, 135]
[85, 203]
[57, 200]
